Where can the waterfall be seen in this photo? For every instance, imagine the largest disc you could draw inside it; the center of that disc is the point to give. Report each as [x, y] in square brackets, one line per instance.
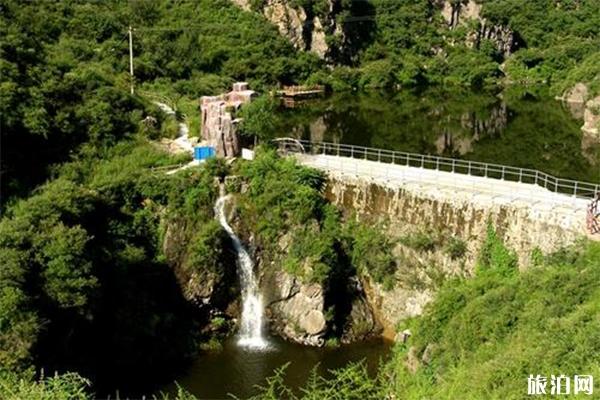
[251, 327]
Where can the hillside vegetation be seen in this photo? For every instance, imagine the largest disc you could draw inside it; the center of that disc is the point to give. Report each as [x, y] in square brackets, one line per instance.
[408, 43]
[85, 284]
[65, 72]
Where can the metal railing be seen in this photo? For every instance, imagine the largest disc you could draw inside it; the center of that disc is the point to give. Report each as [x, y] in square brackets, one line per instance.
[577, 189]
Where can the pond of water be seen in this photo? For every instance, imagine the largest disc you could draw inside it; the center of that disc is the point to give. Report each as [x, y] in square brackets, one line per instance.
[517, 128]
[238, 370]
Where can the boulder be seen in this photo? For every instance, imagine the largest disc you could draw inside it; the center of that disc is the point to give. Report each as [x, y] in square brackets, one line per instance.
[295, 309]
[577, 94]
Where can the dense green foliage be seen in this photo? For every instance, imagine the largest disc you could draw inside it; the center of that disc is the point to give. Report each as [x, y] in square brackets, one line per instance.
[487, 334]
[350, 383]
[69, 386]
[371, 252]
[60, 387]
[82, 262]
[408, 43]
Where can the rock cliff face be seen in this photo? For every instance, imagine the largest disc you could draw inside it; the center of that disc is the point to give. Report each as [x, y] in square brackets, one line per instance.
[458, 13]
[307, 312]
[591, 117]
[306, 28]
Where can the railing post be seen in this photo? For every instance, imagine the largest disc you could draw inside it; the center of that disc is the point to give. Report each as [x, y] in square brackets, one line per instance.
[365, 153]
[469, 168]
[503, 171]
[520, 175]
[437, 164]
[422, 161]
[453, 164]
[485, 170]
[575, 190]
[393, 154]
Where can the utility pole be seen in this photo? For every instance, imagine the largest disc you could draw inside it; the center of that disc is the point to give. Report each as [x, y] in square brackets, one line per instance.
[131, 58]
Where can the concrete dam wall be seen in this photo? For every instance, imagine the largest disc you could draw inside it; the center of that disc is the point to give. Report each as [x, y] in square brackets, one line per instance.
[445, 214]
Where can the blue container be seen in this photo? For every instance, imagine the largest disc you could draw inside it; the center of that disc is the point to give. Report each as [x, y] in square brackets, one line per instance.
[202, 153]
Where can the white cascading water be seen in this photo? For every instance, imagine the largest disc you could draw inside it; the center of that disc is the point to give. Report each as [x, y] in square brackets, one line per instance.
[251, 327]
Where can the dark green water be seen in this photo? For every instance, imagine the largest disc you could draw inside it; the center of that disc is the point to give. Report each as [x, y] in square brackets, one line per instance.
[238, 371]
[517, 128]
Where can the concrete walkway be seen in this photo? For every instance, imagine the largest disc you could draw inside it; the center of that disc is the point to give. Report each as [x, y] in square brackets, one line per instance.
[428, 182]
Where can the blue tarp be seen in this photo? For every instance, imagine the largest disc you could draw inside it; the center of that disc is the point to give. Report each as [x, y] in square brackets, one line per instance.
[202, 153]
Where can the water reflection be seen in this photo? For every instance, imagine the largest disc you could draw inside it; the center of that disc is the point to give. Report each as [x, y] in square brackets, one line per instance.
[520, 129]
[239, 370]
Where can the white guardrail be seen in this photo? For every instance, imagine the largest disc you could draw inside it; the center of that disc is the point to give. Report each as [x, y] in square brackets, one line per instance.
[575, 189]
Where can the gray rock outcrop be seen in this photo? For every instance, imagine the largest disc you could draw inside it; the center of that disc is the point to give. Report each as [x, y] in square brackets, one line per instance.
[404, 211]
[361, 322]
[305, 31]
[591, 117]
[202, 286]
[458, 13]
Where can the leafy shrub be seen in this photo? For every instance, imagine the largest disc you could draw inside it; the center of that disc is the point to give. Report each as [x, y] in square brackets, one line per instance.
[378, 74]
[371, 253]
[258, 117]
[207, 247]
[420, 241]
[58, 387]
[350, 382]
[494, 255]
[455, 248]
